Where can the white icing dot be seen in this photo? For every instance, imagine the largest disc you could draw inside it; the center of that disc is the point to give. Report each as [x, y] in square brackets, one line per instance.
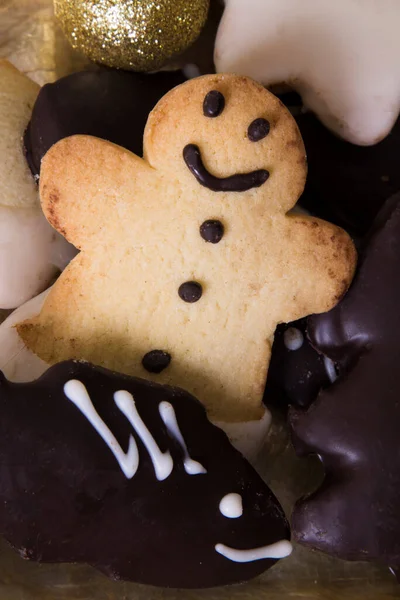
[293, 338]
[330, 369]
[231, 506]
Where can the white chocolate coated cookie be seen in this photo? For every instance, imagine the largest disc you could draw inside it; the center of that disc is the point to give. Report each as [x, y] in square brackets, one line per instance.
[188, 257]
[17, 362]
[342, 56]
[31, 254]
[17, 97]
[31, 251]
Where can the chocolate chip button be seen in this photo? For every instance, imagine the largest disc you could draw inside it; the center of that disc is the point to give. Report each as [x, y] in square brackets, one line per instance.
[212, 231]
[190, 291]
[156, 361]
[214, 104]
[258, 129]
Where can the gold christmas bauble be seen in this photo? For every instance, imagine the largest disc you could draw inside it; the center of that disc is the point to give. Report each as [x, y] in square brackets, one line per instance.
[140, 35]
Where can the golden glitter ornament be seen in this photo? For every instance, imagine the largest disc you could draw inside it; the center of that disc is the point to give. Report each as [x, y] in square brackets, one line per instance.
[140, 35]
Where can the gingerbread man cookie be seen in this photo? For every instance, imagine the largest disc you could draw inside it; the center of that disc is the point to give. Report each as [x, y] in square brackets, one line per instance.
[188, 257]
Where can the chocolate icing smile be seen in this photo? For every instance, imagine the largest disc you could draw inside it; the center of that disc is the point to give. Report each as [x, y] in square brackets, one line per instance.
[240, 182]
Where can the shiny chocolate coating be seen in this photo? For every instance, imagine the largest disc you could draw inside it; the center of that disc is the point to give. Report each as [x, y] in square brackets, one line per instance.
[295, 374]
[354, 425]
[109, 104]
[64, 496]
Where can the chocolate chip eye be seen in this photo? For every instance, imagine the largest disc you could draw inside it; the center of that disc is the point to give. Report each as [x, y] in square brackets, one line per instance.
[214, 104]
[258, 130]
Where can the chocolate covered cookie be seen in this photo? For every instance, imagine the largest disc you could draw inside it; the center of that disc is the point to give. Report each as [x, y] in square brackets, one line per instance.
[110, 104]
[130, 477]
[354, 425]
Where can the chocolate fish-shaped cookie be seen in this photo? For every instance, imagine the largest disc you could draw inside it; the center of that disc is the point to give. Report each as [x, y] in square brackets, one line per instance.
[130, 477]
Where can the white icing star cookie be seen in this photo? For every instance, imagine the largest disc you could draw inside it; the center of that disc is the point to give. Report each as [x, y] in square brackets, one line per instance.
[343, 57]
[31, 251]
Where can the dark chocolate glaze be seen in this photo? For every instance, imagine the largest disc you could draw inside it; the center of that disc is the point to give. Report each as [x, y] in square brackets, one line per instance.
[258, 130]
[107, 103]
[294, 376]
[212, 231]
[214, 104]
[354, 425]
[64, 497]
[156, 361]
[348, 184]
[241, 182]
[190, 291]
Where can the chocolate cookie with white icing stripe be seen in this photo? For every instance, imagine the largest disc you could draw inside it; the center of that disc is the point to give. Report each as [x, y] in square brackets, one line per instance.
[130, 477]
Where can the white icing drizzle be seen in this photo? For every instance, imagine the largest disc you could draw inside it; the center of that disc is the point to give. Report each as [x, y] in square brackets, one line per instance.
[129, 461]
[167, 413]
[293, 338]
[162, 461]
[280, 549]
[231, 506]
[330, 369]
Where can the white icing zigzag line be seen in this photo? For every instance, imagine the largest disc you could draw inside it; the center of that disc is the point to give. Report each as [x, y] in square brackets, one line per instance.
[167, 413]
[162, 462]
[77, 393]
[129, 462]
[280, 549]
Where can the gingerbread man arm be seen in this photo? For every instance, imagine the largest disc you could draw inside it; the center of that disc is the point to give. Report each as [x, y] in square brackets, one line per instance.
[321, 261]
[84, 181]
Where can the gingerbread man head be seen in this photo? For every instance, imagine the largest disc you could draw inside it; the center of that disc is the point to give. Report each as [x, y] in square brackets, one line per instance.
[234, 137]
[188, 259]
